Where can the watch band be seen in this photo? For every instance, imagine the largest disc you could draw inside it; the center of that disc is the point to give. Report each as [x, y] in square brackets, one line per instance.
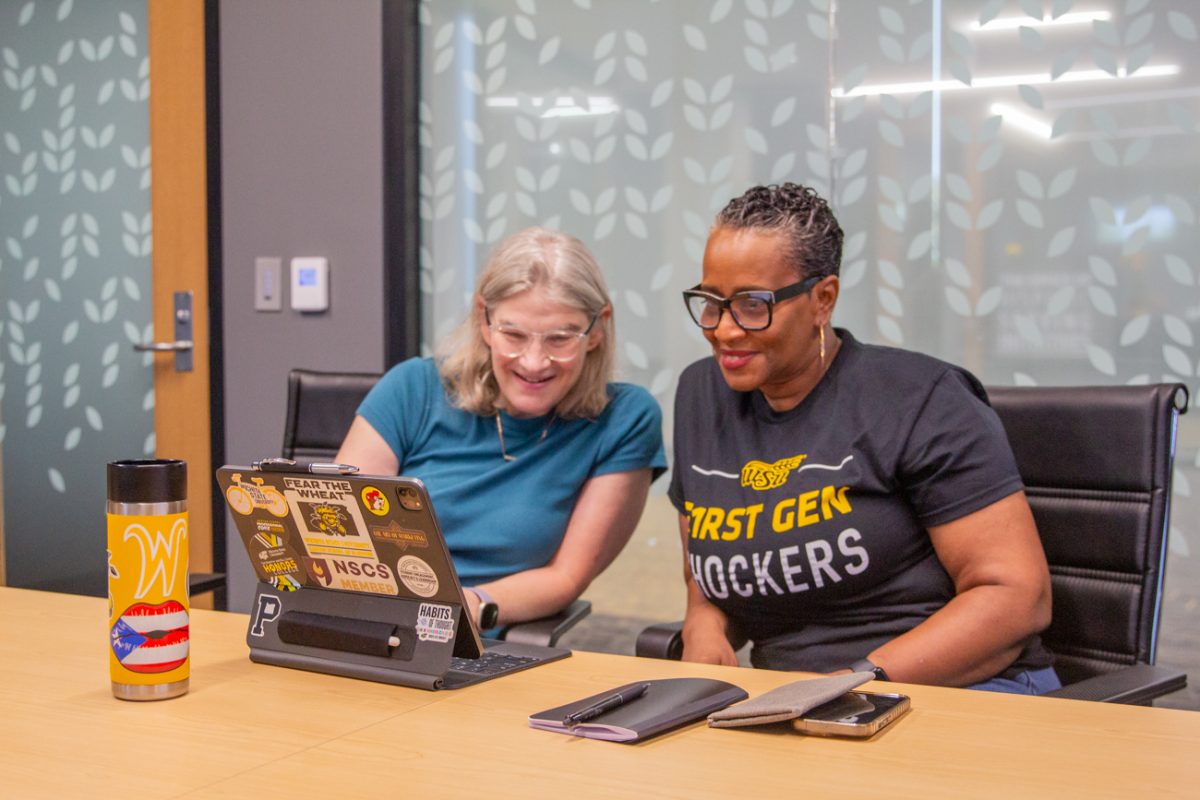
[489, 610]
[483, 596]
[866, 665]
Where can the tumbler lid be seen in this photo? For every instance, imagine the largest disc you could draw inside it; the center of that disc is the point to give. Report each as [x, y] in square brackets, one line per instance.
[150, 480]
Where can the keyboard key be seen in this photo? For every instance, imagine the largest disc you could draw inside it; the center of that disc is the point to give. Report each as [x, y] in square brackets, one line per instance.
[490, 663]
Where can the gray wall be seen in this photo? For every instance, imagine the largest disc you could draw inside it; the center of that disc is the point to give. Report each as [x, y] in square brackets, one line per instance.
[301, 150]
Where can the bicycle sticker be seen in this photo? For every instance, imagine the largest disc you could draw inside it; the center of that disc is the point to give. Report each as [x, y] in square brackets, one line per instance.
[245, 497]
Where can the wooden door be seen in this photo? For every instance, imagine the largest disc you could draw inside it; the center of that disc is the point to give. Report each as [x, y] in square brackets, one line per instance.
[179, 203]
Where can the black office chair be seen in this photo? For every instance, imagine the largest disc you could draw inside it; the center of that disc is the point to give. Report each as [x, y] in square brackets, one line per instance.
[1097, 463]
[321, 407]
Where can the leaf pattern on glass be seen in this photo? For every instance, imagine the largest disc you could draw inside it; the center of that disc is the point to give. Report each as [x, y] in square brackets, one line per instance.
[1043, 259]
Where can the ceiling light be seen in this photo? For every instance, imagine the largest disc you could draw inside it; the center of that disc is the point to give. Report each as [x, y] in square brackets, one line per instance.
[1019, 119]
[1071, 18]
[566, 107]
[1031, 79]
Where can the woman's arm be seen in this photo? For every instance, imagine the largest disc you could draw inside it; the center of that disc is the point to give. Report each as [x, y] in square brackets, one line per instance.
[1002, 596]
[366, 449]
[705, 627]
[607, 511]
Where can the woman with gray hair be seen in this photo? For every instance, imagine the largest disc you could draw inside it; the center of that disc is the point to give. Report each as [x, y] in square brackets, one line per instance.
[538, 463]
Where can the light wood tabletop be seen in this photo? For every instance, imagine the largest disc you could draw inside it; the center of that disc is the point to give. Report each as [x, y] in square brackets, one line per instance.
[247, 730]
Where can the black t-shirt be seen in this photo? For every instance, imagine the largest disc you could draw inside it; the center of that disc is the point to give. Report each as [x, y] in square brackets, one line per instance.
[808, 527]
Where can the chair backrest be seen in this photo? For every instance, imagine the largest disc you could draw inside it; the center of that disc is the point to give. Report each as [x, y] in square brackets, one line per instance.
[1097, 462]
[320, 408]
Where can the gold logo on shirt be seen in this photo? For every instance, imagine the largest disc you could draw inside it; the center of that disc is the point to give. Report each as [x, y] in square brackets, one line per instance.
[762, 476]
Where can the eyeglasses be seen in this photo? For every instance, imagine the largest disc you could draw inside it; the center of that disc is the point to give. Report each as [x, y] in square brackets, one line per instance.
[558, 346]
[751, 310]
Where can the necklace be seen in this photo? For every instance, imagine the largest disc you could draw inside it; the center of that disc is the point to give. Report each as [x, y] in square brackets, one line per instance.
[500, 432]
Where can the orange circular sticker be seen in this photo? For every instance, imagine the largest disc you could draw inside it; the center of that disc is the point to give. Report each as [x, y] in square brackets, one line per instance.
[375, 501]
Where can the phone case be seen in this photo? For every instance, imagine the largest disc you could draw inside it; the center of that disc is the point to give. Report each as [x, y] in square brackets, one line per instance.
[859, 729]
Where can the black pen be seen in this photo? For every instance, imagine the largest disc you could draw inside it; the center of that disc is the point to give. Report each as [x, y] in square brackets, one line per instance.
[606, 704]
[288, 465]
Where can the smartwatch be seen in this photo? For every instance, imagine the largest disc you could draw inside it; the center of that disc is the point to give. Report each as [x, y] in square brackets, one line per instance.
[489, 612]
[865, 665]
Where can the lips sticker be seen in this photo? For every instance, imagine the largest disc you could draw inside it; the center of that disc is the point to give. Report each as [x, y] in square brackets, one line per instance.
[150, 638]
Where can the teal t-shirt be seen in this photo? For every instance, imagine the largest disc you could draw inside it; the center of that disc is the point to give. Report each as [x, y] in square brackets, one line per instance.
[501, 517]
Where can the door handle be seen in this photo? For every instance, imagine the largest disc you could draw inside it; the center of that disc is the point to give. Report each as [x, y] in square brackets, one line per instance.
[182, 346]
[162, 347]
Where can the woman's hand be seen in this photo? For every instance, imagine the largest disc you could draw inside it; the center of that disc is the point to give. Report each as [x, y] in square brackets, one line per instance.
[705, 627]
[704, 639]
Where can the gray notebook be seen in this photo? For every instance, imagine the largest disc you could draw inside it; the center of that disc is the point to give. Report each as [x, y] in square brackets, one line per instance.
[665, 704]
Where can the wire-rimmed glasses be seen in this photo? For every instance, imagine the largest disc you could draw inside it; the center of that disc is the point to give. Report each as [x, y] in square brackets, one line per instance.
[559, 346]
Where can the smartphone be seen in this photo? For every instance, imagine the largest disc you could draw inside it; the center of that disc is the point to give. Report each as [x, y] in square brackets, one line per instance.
[858, 714]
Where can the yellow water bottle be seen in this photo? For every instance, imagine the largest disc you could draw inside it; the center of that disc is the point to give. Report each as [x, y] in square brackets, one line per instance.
[148, 628]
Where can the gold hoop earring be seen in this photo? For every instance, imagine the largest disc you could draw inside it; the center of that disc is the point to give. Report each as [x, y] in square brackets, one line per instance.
[822, 348]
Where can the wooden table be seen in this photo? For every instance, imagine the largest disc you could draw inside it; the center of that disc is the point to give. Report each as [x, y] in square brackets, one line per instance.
[249, 730]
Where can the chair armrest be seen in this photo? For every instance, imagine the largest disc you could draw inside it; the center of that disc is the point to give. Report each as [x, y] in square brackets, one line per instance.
[547, 630]
[1135, 685]
[661, 641]
[201, 582]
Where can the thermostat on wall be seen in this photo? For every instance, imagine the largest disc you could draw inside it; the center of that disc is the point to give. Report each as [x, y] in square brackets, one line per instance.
[310, 284]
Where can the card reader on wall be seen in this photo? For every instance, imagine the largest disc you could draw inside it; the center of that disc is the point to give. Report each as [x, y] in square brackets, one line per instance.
[310, 284]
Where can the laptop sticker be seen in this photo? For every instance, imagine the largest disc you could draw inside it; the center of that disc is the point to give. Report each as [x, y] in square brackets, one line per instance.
[270, 546]
[400, 538]
[267, 609]
[375, 501]
[327, 516]
[352, 574]
[417, 576]
[285, 583]
[435, 622]
[244, 497]
[281, 566]
[270, 532]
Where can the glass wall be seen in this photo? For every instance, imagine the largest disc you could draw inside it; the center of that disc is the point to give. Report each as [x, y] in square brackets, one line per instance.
[1019, 182]
[75, 246]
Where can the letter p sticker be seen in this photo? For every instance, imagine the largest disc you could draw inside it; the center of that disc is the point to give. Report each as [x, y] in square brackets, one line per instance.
[266, 610]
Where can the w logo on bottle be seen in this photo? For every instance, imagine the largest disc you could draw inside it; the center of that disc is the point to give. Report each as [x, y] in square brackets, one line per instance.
[161, 556]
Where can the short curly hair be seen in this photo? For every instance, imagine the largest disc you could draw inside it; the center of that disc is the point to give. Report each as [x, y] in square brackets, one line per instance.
[798, 213]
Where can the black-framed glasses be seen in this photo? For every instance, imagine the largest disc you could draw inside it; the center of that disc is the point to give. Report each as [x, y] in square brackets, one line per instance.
[558, 346]
[751, 310]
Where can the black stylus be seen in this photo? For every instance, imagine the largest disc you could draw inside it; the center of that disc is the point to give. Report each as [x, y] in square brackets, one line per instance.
[606, 704]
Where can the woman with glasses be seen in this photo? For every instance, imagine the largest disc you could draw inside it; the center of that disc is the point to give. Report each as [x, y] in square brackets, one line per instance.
[842, 505]
[538, 464]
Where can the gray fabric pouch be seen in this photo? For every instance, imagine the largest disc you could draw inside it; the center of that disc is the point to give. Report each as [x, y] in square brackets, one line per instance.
[789, 701]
